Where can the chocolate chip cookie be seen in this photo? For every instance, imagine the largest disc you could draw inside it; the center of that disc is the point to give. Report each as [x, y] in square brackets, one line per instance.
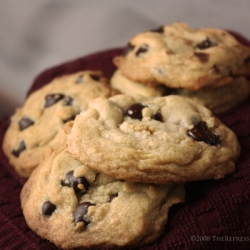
[75, 207]
[163, 140]
[183, 57]
[126, 86]
[218, 100]
[34, 126]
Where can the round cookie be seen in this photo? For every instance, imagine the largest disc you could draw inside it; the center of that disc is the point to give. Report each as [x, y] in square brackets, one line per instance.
[179, 56]
[33, 127]
[163, 140]
[76, 207]
[218, 100]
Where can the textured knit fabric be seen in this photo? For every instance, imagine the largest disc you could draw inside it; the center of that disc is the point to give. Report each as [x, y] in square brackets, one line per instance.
[216, 214]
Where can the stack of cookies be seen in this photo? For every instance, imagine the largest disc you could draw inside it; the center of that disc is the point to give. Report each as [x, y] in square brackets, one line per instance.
[106, 161]
[207, 65]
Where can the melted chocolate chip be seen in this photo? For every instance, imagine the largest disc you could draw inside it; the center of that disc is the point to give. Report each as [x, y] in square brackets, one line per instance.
[205, 44]
[48, 208]
[81, 212]
[157, 116]
[135, 111]
[25, 122]
[79, 79]
[112, 196]
[143, 49]
[51, 99]
[67, 101]
[203, 57]
[95, 77]
[200, 132]
[80, 185]
[129, 48]
[158, 30]
[21, 148]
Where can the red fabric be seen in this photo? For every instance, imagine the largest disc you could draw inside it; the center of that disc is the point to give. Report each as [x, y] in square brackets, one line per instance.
[216, 214]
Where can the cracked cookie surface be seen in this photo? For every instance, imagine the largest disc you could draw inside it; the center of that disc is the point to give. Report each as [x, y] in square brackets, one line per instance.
[179, 56]
[33, 129]
[157, 140]
[74, 206]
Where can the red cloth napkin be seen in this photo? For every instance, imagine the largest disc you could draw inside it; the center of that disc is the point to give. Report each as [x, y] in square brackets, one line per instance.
[216, 214]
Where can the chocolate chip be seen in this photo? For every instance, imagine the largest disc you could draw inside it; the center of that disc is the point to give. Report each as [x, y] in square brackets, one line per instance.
[48, 208]
[135, 111]
[143, 49]
[157, 116]
[205, 44]
[129, 48]
[112, 196]
[25, 122]
[71, 118]
[80, 213]
[200, 132]
[67, 101]
[80, 185]
[95, 77]
[21, 148]
[203, 57]
[52, 99]
[79, 79]
[158, 30]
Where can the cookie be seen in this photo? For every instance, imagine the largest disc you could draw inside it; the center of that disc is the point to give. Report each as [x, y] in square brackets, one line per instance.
[126, 86]
[33, 128]
[76, 207]
[179, 56]
[163, 140]
[218, 100]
